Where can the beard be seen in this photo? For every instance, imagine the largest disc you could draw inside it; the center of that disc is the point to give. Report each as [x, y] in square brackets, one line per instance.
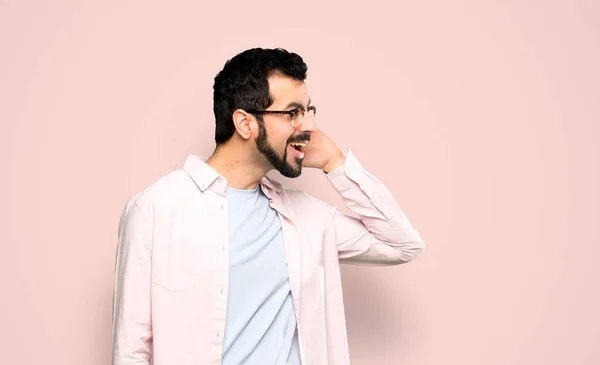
[280, 163]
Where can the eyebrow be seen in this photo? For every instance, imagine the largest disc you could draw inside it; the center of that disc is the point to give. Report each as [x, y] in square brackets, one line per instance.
[297, 104]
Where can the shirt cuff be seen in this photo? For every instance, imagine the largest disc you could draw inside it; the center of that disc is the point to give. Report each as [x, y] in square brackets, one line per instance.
[348, 175]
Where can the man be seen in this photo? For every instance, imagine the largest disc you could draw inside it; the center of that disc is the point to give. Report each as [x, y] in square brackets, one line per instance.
[219, 264]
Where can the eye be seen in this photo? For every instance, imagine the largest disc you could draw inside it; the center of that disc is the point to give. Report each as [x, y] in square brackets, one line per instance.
[296, 113]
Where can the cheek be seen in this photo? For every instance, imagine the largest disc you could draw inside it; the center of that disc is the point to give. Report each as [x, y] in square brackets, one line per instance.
[278, 135]
[280, 139]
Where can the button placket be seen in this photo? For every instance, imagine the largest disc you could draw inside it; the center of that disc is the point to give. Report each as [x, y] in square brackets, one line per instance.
[222, 284]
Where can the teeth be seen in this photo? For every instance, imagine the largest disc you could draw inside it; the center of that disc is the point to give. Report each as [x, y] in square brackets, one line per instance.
[298, 144]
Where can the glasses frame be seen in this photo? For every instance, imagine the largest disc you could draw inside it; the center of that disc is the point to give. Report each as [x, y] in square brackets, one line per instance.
[288, 112]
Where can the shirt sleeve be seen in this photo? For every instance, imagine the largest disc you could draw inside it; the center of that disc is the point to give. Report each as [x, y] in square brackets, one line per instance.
[131, 331]
[382, 234]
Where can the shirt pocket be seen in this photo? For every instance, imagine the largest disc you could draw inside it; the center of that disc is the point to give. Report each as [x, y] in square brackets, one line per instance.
[176, 269]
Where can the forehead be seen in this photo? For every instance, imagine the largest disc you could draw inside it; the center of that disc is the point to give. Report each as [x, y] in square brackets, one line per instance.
[285, 90]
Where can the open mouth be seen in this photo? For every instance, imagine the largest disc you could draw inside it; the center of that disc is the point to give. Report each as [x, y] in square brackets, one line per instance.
[297, 147]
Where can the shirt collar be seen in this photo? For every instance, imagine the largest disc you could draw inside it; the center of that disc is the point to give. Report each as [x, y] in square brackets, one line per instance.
[204, 176]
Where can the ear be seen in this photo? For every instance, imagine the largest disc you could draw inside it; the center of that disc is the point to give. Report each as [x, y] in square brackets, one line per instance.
[243, 123]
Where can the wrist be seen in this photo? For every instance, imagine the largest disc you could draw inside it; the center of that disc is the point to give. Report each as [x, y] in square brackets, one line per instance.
[334, 163]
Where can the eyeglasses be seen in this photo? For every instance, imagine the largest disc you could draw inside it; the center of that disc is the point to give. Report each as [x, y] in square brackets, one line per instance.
[296, 116]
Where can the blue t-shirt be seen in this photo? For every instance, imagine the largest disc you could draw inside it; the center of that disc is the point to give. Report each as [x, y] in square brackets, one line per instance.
[261, 324]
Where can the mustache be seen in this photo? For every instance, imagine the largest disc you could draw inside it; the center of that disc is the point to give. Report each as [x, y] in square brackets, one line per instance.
[304, 137]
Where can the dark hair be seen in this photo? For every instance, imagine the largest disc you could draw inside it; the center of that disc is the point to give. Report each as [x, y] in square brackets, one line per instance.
[242, 84]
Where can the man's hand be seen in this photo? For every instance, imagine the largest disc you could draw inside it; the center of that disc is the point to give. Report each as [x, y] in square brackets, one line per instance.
[322, 153]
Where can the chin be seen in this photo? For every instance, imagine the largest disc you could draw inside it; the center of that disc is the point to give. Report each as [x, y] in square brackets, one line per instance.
[293, 176]
[292, 170]
[297, 173]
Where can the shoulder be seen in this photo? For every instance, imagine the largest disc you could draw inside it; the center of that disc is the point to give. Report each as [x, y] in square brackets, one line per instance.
[167, 190]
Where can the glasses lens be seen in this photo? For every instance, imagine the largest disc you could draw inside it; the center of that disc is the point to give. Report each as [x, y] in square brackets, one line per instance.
[298, 115]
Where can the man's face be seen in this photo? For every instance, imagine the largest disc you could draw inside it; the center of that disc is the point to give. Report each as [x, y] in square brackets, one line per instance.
[276, 133]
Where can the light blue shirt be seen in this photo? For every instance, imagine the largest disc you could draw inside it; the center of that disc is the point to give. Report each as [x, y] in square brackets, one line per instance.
[261, 324]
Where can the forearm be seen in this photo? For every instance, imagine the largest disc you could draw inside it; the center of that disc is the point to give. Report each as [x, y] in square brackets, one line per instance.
[381, 220]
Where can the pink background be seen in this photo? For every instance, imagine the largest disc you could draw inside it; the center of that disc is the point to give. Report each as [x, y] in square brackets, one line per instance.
[483, 117]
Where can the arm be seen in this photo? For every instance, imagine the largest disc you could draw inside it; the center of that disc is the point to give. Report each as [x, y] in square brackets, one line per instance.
[132, 329]
[382, 235]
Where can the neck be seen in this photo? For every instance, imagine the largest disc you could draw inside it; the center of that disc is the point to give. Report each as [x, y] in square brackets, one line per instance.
[243, 170]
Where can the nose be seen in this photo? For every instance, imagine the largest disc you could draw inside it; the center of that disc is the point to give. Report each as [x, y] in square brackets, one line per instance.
[308, 124]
